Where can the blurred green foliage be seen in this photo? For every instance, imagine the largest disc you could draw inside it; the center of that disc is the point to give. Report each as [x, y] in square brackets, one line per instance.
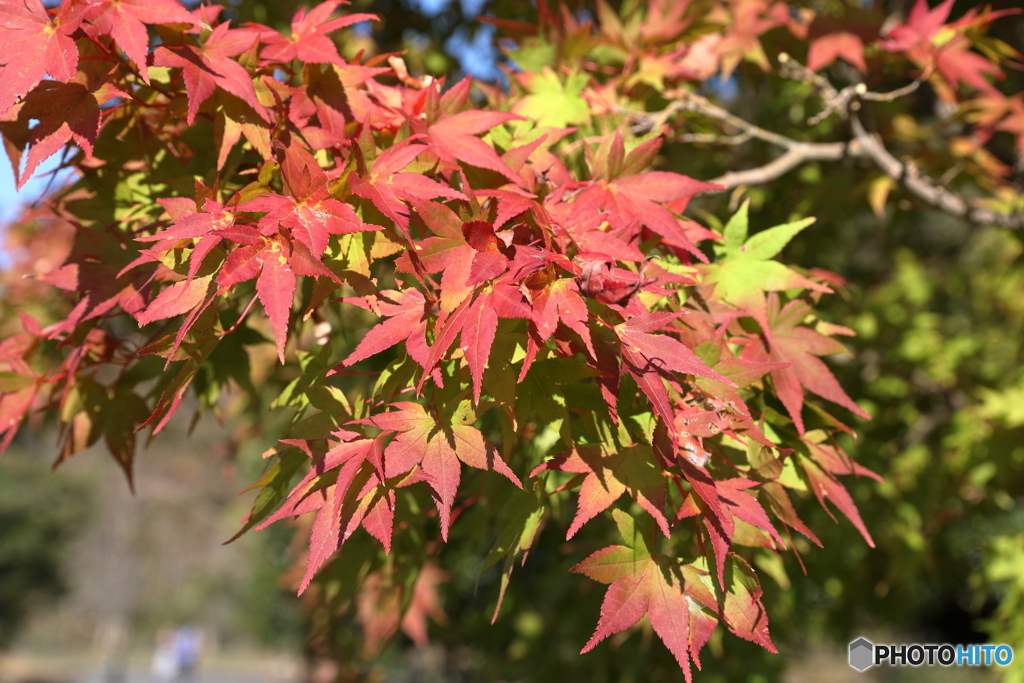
[40, 516]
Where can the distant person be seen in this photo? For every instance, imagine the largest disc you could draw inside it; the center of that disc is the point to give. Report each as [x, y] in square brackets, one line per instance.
[186, 652]
[165, 658]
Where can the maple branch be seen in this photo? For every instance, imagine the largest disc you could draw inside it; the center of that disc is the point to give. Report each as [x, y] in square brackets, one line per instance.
[797, 153]
[840, 101]
[926, 189]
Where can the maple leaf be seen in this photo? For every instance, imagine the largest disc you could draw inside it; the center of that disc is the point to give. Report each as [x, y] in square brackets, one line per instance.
[357, 497]
[234, 119]
[124, 21]
[632, 468]
[560, 301]
[209, 66]
[782, 507]
[437, 446]
[490, 259]
[406, 311]
[799, 346]
[66, 112]
[826, 49]
[275, 262]
[743, 611]
[751, 18]
[213, 225]
[308, 41]
[745, 269]
[922, 25]
[32, 45]
[179, 298]
[276, 289]
[958, 64]
[826, 486]
[388, 187]
[639, 199]
[646, 584]
[476, 321]
[310, 219]
[20, 384]
[454, 138]
[590, 236]
[649, 357]
[550, 102]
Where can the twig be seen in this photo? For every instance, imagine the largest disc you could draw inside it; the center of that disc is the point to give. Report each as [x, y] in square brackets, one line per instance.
[840, 101]
[796, 152]
[925, 188]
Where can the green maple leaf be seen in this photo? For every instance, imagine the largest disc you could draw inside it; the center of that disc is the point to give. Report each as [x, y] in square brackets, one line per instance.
[745, 269]
[553, 103]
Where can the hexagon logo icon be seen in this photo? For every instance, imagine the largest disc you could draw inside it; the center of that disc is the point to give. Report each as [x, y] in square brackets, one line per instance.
[861, 654]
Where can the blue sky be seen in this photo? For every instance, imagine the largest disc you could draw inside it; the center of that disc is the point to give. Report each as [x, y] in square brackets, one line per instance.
[12, 202]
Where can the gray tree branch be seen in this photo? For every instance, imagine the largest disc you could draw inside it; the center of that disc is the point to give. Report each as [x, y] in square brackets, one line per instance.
[863, 145]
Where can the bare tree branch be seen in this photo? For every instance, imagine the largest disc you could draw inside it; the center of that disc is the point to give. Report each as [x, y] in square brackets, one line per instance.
[927, 189]
[844, 102]
[797, 154]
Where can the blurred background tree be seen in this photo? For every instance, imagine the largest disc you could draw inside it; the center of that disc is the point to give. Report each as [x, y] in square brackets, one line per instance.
[39, 518]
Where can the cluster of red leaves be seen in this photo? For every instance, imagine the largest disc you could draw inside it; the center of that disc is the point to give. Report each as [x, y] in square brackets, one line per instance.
[664, 374]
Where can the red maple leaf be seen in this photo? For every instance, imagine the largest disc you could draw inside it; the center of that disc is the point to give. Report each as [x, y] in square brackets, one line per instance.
[646, 584]
[66, 112]
[34, 45]
[476, 321]
[212, 226]
[388, 188]
[454, 138]
[124, 21]
[176, 299]
[406, 313]
[799, 346]
[922, 25]
[311, 219]
[559, 301]
[638, 199]
[358, 497]
[19, 395]
[957, 64]
[826, 49]
[825, 486]
[492, 256]
[743, 612]
[275, 262]
[436, 446]
[308, 40]
[590, 235]
[608, 476]
[208, 66]
[649, 357]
